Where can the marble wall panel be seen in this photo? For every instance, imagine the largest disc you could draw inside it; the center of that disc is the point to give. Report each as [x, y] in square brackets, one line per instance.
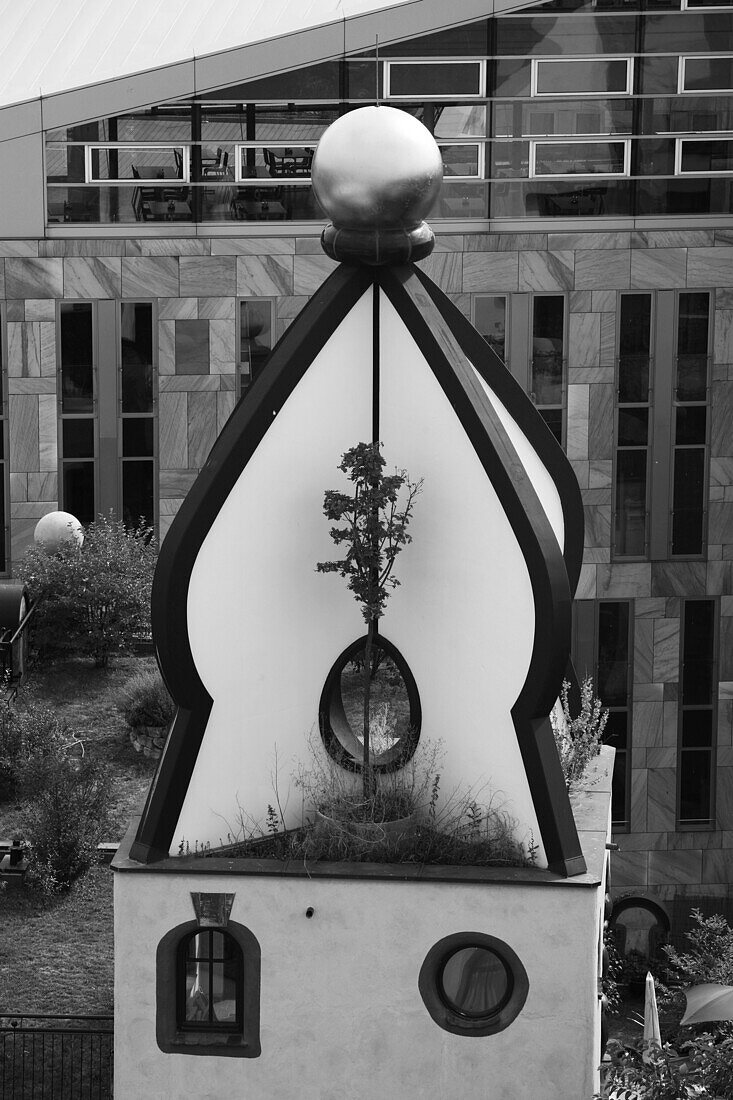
[581, 470]
[92, 277]
[217, 309]
[666, 650]
[629, 868]
[643, 650]
[596, 554]
[43, 486]
[680, 238]
[648, 718]
[653, 607]
[15, 310]
[543, 271]
[724, 798]
[624, 580]
[587, 583]
[22, 529]
[721, 472]
[34, 278]
[31, 385]
[675, 867]
[576, 446]
[720, 522]
[657, 267]
[24, 349]
[584, 339]
[82, 247]
[272, 275]
[721, 437]
[710, 266]
[638, 800]
[170, 505]
[581, 301]
[47, 433]
[505, 242]
[262, 246]
[591, 375]
[222, 351]
[602, 270]
[597, 525]
[647, 692]
[150, 277]
[600, 423]
[608, 339]
[600, 472]
[225, 402]
[291, 306]
[724, 728]
[202, 427]
[19, 486]
[725, 649]
[581, 241]
[40, 309]
[178, 309]
[203, 276]
[175, 483]
[706, 838]
[48, 348]
[639, 842]
[168, 246]
[189, 383]
[192, 347]
[445, 269]
[172, 432]
[166, 347]
[18, 248]
[717, 866]
[484, 271]
[603, 301]
[23, 424]
[661, 756]
[723, 339]
[678, 578]
[724, 297]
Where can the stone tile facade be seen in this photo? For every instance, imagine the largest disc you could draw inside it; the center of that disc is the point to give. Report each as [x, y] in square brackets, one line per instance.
[198, 281]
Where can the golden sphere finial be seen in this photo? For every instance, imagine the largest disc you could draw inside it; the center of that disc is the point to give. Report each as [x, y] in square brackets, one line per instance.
[377, 173]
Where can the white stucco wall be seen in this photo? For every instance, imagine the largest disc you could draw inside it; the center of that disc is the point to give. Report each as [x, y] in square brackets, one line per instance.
[266, 628]
[341, 1015]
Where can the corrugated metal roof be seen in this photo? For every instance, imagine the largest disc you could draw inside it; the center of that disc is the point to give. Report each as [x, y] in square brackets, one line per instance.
[50, 46]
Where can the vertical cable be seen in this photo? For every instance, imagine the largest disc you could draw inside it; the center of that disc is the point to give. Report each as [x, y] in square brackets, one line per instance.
[375, 362]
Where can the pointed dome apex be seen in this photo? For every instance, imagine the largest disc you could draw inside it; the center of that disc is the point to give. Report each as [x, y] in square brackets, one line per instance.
[377, 173]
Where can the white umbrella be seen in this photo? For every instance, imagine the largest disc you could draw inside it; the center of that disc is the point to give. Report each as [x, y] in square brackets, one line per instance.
[651, 1017]
[708, 1001]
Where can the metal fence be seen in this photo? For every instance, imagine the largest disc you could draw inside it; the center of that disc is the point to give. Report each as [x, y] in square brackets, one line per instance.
[56, 1057]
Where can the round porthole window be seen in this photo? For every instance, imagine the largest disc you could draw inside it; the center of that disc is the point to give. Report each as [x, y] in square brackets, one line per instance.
[395, 714]
[473, 984]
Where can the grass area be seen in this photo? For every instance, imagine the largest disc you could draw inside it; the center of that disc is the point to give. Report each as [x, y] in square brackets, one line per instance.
[56, 954]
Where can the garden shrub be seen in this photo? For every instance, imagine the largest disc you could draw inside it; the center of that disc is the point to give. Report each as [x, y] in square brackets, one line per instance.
[94, 598]
[66, 816]
[144, 700]
[29, 732]
[578, 738]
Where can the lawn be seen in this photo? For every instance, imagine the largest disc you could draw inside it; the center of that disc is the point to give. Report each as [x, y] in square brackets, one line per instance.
[56, 955]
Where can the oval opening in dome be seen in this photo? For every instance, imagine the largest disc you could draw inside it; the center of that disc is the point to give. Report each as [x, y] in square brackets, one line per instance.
[394, 708]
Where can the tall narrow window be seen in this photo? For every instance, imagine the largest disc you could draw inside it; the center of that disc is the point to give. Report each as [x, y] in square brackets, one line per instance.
[613, 685]
[633, 426]
[490, 319]
[690, 424]
[547, 373]
[697, 705]
[256, 327]
[4, 564]
[78, 442]
[137, 408]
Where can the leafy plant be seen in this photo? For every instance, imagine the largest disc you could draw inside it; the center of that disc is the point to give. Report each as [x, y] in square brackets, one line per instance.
[709, 959]
[699, 1069]
[374, 533]
[65, 819]
[93, 598]
[144, 700]
[578, 738]
[30, 731]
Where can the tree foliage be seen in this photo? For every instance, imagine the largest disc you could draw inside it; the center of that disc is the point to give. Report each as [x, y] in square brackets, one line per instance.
[93, 598]
[374, 532]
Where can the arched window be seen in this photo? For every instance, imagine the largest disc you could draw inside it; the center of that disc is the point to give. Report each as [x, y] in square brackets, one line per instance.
[208, 991]
[210, 981]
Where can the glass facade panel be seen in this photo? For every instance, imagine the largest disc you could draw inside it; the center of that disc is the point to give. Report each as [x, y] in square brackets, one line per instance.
[461, 160]
[547, 367]
[707, 74]
[689, 494]
[697, 712]
[77, 357]
[613, 676]
[630, 515]
[489, 317]
[581, 158]
[431, 79]
[256, 338]
[706, 156]
[595, 76]
[137, 406]
[630, 527]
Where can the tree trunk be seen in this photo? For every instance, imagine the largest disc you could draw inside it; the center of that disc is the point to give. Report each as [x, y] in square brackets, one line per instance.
[366, 770]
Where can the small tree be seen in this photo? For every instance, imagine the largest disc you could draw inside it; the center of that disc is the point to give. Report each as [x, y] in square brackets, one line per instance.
[374, 533]
[578, 738]
[94, 597]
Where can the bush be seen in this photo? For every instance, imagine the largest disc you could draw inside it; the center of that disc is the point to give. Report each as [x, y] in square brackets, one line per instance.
[31, 732]
[144, 700]
[65, 819]
[578, 739]
[95, 598]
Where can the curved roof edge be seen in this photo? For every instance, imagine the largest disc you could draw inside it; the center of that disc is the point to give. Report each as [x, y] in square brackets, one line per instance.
[146, 51]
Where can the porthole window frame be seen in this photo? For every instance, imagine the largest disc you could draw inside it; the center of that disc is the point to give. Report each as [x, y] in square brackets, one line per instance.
[336, 732]
[437, 1003]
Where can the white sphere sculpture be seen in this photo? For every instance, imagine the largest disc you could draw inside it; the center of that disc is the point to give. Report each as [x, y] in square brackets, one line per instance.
[58, 529]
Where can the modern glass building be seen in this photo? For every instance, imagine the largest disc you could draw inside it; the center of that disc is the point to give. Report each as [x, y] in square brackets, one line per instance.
[158, 233]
